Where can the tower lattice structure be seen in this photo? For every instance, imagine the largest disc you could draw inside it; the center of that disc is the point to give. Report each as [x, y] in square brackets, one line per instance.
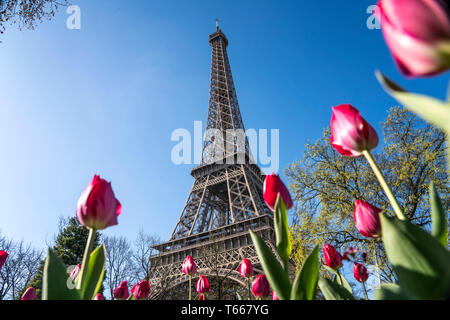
[226, 199]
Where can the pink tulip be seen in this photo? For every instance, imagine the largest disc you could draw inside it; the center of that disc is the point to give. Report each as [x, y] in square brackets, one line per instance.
[332, 258]
[189, 266]
[203, 285]
[30, 294]
[121, 292]
[261, 287]
[141, 290]
[360, 272]
[3, 257]
[274, 295]
[350, 133]
[271, 188]
[97, 206]
[418, 34]
[246, 269]
[74, 273]
[367, 219]
[99, 296]
[202, 297]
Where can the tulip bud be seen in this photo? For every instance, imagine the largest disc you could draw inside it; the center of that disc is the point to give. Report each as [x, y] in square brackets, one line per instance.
[261, 287]
[364, 256]
[271, 188]
[202, 297]
[3, 256]
[332, 258]
[30, 294]
[417, 33]
[141, 290]
[360, 272]
[246, 269]
[189, 266]
[121, 292]
[367, 219]
[274, 295]
[97, 206]
[75, 271]
[351, 251]
[351, 134]
[203, 285]
[99, 296]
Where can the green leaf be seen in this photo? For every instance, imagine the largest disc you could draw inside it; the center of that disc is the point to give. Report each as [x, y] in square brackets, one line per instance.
[238, 296]
[420, 261]
[338, 279]
[391, 291]
[94, 273]
[432, 110]
[333, 291]
[281, 226]
[55, 280]
[305, 283]
[276, 275]
[438, 217]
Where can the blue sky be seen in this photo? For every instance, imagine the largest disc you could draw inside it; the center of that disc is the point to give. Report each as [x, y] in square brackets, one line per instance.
[105, 99]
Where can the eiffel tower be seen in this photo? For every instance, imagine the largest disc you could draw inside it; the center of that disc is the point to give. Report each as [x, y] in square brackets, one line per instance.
[226, 199]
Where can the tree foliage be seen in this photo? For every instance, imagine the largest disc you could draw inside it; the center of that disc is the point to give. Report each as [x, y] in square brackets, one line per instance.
[325, 186]
[27, 13]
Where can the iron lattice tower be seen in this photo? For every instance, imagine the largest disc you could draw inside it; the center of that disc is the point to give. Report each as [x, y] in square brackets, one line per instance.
[226, 199]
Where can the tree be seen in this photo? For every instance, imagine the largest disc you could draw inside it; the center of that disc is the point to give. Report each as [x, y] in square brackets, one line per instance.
[27, 13]
[325, 186]
[69, 246]
[143, 250]
[21, 265]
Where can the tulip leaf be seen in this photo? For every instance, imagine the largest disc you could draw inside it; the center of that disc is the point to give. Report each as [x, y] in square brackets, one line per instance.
[281, 226]
[334, 291]
[276, 275]
[391, 291]
[55, 280]
[432, 110]
[438, 217]
[94, 273]
[337, 278]
[305, 283]
[238, 296]
[420, 261]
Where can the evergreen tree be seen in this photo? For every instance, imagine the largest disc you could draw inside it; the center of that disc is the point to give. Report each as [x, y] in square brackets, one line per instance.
[69, 247]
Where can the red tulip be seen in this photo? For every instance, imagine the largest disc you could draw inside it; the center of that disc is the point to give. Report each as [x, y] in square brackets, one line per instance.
[75, 271]
[99, 296]
[274, 295]
[418, 34]
[332, 258]
[367, 219]
[351, 251]
[3, 256]
[141, 290]
[360, 272]
[121, 292]
[97, 207]
[350, 133]
[274, 186]
[261, 287]
[189, 266]
[203, 285]
[30, 294]
[246, 269]
[202, 297]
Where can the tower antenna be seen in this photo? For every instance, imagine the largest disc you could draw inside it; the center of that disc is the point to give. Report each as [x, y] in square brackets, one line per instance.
[217, 24]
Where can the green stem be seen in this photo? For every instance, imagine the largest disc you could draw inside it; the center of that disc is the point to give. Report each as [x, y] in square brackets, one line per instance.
[190, 287]
[384, 185]
[365, 291]
[340, 277]
[249, 289]
[87, 253]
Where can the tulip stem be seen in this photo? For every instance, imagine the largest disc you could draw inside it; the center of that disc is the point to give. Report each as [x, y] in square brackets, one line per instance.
[340, 277]
[87, 253]
[249, 289]
[384, 185]
[365, 291]
[190, 287]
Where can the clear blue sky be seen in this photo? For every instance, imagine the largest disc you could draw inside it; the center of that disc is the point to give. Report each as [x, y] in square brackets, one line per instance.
[105, 99]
